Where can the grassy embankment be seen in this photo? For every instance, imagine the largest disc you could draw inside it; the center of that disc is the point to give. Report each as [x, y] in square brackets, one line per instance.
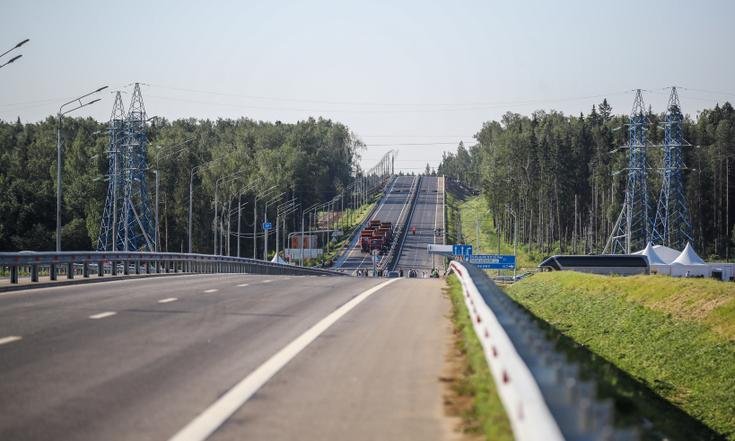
[675, 336]
[485, 415]
[474, 208]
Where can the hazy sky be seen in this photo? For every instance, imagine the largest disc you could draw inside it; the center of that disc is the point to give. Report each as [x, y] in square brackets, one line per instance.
[418, 73]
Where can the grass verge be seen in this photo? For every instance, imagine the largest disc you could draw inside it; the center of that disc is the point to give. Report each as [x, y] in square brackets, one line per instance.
[675, 336]
[485, 414]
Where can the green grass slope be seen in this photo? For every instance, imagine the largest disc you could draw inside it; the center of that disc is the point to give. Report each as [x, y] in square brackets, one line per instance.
[677, 336]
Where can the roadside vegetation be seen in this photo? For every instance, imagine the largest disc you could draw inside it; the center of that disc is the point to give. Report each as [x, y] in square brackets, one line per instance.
[311, 160]
[350, 220]
[675, 336]
[558, 175]
[463, 213]
[474, 394]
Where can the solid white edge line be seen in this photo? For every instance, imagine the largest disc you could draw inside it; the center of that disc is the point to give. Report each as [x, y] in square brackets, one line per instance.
[10, 339]
[207, 422]
[168, 300]
[102, 315]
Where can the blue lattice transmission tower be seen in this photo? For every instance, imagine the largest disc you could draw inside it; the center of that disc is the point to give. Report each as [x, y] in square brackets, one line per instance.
[632, 229]
[672, 226]
[109, 239]
[127, 216]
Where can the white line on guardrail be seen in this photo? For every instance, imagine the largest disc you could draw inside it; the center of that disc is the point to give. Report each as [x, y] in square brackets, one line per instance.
[527, 411]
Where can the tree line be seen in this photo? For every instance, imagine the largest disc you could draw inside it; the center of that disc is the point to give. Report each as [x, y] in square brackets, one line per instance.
[311, 160]
[564, 179]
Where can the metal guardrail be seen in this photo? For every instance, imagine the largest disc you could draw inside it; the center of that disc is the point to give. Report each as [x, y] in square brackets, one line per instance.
[543, 395]
[399, 233]
[113, 263]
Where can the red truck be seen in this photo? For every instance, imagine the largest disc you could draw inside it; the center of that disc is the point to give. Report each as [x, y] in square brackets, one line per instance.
[376, 236]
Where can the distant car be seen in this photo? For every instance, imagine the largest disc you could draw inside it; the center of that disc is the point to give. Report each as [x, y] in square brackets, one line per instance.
[412, 274]
[392, 274]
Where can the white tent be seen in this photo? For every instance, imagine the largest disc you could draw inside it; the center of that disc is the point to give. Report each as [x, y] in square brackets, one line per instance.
[657, 264]
[666, 254]
[689, 264]
[278, 259]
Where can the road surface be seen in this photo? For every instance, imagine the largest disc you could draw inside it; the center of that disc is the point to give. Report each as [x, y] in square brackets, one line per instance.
[389, 211]
[428, 215]
[142, 359]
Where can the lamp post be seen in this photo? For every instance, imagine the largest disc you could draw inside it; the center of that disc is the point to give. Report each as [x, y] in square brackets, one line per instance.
[60, 114]
[12, 49]
[515, 240]
[157, 243]
[262, 194]
[193, 171]
[214, 222]
[240, 205]
[265, 220]
[281, 211]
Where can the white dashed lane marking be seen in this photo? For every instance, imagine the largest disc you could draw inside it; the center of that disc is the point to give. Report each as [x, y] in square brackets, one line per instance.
[242, 285]
[102, 315]
[168, 300]
[9, 339]
[211, 290]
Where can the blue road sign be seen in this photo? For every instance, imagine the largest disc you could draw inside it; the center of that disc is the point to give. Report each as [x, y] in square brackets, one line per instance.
[462, 250]
[267, 225]
[492, 261]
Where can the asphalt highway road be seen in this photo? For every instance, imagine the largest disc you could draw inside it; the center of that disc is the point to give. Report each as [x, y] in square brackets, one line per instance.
[142, 359]
[428, 215]
[389, 211]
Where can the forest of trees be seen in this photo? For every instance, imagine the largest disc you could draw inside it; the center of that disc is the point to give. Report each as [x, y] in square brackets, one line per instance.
[311, 160]
[560, 175]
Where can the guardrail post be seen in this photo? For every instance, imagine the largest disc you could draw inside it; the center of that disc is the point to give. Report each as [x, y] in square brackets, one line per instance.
[137, 267]
[126, 266]
[13, 274]
[100, 268]
[165, 266]
[34, 273]
[147, 264]
[70, 270]
[85, 270]
[113, 268]
[52, 271]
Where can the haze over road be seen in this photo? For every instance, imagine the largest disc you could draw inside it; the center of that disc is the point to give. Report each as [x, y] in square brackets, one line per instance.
[140, 359]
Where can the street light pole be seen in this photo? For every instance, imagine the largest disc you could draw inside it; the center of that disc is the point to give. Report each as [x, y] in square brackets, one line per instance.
[157, 243]
[193, 171]
[265, 217]
[60, 114]
[12, 49]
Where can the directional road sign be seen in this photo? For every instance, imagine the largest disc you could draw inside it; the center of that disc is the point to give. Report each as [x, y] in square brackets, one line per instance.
[267, 225]
[462, 250]
[492, 261]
